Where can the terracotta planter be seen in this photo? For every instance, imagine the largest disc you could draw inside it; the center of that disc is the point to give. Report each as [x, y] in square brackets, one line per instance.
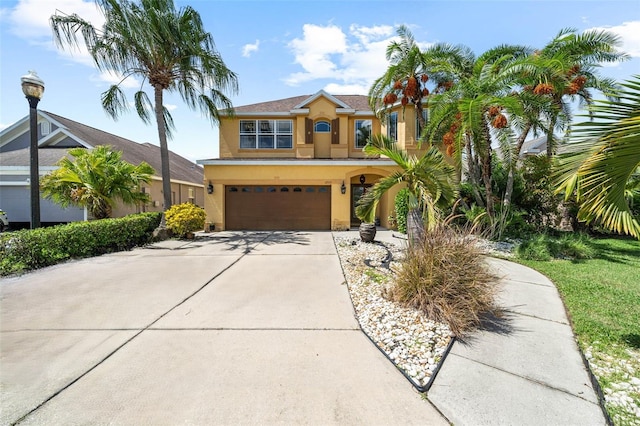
[367, 232]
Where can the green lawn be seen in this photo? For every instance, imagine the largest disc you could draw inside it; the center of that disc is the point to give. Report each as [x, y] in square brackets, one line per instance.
[602, 296]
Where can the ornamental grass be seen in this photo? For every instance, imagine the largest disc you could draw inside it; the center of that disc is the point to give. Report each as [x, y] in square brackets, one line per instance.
[445, 276]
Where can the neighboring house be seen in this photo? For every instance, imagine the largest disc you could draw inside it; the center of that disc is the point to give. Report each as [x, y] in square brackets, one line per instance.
[534, 147]
[298, 164]
[56, 135]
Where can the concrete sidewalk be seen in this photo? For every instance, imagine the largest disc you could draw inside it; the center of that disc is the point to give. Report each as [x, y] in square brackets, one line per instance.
[237, 328]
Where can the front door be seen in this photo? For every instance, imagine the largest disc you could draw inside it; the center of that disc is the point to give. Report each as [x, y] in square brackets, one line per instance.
[357, 190]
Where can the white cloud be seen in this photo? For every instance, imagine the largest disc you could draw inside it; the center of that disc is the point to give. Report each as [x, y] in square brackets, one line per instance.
[29, 19]
[629, 33]
[354, 59]
[170, 107]
[248, 49]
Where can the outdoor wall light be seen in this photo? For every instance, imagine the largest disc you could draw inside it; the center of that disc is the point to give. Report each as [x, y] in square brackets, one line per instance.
[362, 179]
[210, 188]
[343, 189]
[33, 88]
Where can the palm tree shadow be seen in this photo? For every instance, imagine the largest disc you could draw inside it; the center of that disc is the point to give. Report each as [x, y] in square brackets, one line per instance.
[246, 241]
[499, 322]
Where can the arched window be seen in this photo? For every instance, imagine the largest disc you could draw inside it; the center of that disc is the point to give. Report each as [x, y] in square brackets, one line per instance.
[322, 127]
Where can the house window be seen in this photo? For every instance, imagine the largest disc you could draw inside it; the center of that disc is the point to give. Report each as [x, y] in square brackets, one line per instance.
[322, 127]
[45, 128]
[266, 134]
[363, 132]
[425, 115]
[392, 126]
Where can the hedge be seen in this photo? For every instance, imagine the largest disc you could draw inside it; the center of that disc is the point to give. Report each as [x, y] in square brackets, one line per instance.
[29, 249]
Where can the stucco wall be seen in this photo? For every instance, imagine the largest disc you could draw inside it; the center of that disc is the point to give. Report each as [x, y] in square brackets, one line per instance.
[334, 175]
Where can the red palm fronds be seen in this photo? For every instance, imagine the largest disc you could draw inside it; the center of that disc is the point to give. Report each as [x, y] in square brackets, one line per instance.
[499, 122]
[390, 99]
[397, 85]
[447, 139]
[424, 78]
[425, 92]
[450, 150]
[543, 89]
[404, 101]
[494, 110]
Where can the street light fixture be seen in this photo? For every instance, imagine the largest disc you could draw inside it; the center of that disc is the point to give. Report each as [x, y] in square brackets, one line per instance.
[33, 88]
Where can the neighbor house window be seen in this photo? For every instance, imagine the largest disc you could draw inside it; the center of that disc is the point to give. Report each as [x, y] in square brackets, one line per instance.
[392, 126]
[425, 115]
[363, 132]
[322, 127]
[266, 134]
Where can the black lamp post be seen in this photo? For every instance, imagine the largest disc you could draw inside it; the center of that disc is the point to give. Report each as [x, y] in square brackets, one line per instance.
[33, 88]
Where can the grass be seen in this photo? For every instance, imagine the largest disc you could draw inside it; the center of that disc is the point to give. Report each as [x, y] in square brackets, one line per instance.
[602, 295]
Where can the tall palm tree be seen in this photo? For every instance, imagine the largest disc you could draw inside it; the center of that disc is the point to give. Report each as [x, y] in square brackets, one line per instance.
[168, 49]
[96, 179]
[567, 70]
[472, 101]
[429, 179]
[603, 157]
[404, 81]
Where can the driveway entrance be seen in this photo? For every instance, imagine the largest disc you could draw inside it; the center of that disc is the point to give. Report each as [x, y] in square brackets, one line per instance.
[235, 328]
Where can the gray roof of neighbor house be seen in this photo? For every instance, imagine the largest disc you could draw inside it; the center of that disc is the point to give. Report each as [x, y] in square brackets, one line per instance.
[132, 152]
[357, 102]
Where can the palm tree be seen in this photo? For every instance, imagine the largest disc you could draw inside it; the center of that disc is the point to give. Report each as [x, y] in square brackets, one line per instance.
[604, 156]
[472, 100]
[404, 81]
[96, 179]
[567, 68]
[429, 179]
[168, 49]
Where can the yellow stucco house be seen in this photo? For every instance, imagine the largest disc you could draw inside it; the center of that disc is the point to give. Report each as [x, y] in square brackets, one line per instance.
[297, 163]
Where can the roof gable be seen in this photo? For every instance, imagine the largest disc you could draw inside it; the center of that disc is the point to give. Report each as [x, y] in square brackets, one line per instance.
[358, 103]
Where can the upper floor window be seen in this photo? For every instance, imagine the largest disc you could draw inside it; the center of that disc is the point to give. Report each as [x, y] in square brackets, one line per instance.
[322, 127]
[363, 132]
[266, 134]
[425, 115]
[392, 126]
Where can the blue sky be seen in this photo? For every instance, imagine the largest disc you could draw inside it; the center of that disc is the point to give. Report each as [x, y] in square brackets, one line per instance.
[286, 48]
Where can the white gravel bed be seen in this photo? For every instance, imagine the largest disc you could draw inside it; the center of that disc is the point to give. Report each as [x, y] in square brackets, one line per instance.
[621, 383]
[414, 343]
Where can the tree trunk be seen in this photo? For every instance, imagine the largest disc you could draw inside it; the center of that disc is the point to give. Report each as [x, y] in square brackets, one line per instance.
[164, 151]
[415, 226]
[486, 170]
[473, 174]
[514, 163]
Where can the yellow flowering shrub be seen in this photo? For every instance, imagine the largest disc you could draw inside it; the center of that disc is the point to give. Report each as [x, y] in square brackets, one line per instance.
[184, 218]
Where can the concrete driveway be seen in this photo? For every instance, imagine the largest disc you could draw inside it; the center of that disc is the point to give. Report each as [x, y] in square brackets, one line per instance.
[238, 328]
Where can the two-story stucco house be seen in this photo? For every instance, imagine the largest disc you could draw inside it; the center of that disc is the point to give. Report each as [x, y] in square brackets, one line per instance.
[298, 164]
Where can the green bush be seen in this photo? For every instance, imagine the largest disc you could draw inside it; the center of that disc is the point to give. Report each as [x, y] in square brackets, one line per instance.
[32, 249]
[402, 209]
[546, 247]
[184, 218]
[444, 275]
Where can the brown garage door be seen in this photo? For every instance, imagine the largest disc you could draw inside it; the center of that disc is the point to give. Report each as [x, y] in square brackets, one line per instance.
[278, 207]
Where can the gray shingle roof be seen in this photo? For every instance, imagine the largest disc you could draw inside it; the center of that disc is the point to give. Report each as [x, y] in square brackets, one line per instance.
[133, 152]
[357, 102]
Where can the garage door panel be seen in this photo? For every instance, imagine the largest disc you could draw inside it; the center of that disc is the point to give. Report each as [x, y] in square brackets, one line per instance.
[272, 208]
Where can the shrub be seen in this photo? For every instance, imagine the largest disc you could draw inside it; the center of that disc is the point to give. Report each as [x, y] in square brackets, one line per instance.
[444, 275]
[402, 209]
[31, 249]
[184, 218]
[545, 247]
